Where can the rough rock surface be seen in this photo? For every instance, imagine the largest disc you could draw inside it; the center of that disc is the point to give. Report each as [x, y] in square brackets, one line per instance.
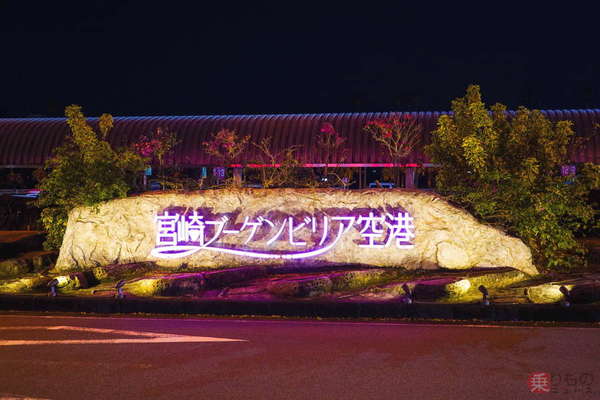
[582, 290]
[14, 267]
[351, 280]
[453, 286]
[121, 271]
[167, 285]
[301, 287]
[28, 262]
[318, 285]
[25, 284]
[185, 284]
[76, 280]
[124, 231]
[223, 278]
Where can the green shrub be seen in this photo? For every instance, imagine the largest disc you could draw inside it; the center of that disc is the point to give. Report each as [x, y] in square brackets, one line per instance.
[506, 171]
[84, 171]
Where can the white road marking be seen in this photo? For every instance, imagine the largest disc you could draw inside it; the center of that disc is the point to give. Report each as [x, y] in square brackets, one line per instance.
[148, 337]
[8, 396]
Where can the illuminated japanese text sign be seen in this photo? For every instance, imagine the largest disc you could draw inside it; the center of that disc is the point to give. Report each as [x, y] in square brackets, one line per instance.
[182, 232]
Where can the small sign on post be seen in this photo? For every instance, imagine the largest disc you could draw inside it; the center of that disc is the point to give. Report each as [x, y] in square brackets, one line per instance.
[219, 172]
[568, 170]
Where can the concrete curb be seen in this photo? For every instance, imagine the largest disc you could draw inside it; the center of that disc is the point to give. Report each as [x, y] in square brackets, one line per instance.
[315, 308]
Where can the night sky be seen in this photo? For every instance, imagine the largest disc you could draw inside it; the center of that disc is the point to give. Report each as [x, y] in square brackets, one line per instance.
[191, 58]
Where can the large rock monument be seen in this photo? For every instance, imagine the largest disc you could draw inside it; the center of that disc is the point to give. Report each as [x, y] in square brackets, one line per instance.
[230, 228]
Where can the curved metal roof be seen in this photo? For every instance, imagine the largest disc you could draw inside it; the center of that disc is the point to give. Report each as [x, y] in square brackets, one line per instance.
[30, 141]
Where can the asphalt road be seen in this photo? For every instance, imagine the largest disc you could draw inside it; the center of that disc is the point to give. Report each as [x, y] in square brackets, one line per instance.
[61, 357]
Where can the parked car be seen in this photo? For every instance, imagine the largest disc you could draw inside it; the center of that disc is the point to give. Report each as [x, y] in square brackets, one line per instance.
[154, 185]
[28, 194]
[381, 185]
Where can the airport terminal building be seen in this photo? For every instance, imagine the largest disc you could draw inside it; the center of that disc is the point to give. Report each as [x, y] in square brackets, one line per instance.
[25, 143]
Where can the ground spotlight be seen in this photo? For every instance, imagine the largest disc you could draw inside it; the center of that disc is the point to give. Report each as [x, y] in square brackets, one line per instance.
[486, 300]
[567, 293]
[119, 287]
[409, 295]
[52, 285]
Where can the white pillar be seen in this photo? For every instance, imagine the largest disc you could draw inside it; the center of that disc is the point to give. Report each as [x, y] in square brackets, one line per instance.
[409, 177]
[237, 176]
